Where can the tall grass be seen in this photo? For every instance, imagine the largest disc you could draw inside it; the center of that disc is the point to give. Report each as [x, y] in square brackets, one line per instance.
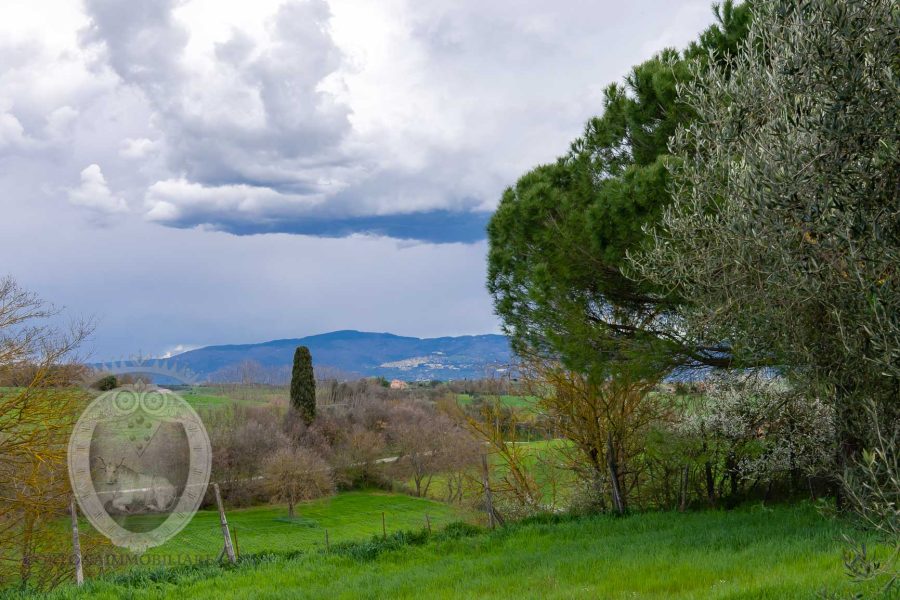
[778, 553]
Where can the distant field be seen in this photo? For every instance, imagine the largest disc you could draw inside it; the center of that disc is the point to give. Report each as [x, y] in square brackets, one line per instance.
[209, 396]
[543, 458]
[203, 399]
[780, 553]
[212, 397]
[524, 402]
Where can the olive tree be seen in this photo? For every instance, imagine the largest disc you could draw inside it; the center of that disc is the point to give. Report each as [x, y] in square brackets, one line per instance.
[783, 236]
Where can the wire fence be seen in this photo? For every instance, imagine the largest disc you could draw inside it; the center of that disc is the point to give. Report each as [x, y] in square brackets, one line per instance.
[315, 526]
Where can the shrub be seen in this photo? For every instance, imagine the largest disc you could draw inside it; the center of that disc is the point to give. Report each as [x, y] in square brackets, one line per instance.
[106, 383]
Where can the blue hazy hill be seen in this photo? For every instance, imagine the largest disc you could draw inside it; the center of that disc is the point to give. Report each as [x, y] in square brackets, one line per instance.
[359, 353]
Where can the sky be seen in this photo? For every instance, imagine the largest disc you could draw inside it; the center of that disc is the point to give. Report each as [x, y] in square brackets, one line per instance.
[195, 172]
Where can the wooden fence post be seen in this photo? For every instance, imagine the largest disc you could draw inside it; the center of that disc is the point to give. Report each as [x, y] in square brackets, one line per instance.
[224, 522]
[383, 527]
[488, 500]
[327, 545]
[76, 543]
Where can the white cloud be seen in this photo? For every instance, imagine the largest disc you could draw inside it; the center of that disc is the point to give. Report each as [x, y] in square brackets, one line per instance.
[137, 148]
[685, 21]
[94, 193]
[12, 134]
[177, 349]
[371, 108]
[60, 122]
[177, 201]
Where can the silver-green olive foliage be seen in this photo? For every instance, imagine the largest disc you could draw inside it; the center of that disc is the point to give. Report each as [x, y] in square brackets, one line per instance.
[783, 236]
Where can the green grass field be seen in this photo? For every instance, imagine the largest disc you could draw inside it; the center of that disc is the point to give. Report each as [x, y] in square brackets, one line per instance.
[206, 397]
[347, 517]
[523, 402]
[202, 399]
[543, 458]
[213, 397]
[779, 553]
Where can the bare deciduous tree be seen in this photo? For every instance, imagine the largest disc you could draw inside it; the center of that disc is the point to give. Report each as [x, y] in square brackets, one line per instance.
[356, 456]
[293, 475]
[497, 434]
[607, 422]
[241, 440]
[36, 418]
[427, 443]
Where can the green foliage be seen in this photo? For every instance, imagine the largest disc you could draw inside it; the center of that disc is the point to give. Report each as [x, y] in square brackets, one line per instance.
[303, 385]
[560, 236]
[784, 233]
[107, 383]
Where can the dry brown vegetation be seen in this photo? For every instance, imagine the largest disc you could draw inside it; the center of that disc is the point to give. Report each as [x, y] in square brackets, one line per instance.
[36, 418]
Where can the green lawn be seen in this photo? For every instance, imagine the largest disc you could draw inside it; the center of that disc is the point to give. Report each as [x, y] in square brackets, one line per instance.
[348, 516]
[780, 553]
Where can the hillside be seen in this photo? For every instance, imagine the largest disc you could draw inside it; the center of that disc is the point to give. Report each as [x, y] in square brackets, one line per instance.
[358, 353]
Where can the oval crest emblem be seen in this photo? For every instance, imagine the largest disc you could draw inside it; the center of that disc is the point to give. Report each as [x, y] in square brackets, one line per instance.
[139, 461]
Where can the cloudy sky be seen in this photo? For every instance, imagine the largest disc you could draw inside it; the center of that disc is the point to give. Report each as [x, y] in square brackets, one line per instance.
[190, 172]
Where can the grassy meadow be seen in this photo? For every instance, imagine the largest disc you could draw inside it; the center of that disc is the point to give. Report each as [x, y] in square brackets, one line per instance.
[349, 516]
[521, 402]
[773, 553]
[216, 397]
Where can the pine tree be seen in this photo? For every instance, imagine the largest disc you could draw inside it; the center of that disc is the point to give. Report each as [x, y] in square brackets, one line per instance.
[303, 385]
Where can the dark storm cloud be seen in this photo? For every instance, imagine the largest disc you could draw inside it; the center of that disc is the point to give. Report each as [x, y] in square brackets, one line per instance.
[436, 227]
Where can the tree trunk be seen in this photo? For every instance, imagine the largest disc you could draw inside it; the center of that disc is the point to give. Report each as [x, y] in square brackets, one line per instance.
[618, 499]
[849, 446]
[731, 471]
[684, 489]
[710, 484]
[27, 547]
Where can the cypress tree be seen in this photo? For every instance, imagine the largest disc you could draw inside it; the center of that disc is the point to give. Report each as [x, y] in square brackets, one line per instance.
[303, 385]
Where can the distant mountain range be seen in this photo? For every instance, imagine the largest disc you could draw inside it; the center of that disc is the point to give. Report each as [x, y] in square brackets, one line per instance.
[349, 354]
